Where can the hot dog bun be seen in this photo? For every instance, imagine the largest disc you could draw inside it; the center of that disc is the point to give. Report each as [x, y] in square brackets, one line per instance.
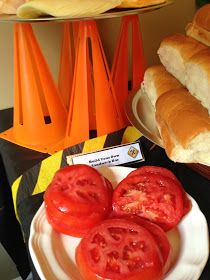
[175, 50]
[184, 126]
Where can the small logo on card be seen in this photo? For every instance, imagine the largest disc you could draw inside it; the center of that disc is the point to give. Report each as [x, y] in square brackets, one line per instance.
[133, 152]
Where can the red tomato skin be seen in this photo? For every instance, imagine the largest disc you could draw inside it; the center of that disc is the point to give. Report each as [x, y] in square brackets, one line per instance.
[151, 273]
[167, 173]
[150, 189]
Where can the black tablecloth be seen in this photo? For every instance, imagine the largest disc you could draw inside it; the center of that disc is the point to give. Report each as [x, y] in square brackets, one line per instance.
[16, 160]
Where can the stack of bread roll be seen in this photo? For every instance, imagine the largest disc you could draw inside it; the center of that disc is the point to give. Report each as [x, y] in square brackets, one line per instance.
[179, 90]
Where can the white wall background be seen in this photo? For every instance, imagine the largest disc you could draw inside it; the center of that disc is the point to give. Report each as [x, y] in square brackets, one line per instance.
[155, 26]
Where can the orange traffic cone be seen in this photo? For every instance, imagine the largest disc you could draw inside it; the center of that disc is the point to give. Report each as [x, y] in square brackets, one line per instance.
[93, 104]
[39, 115]
[120, 67]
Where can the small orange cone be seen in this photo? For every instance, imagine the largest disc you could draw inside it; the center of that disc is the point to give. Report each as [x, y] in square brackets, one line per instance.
[39, 115]
[93, 104]
[120, 67]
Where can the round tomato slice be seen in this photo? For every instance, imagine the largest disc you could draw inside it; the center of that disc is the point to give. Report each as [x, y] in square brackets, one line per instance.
[80, 189]
[154, 197]
[143, 170]
[119, 249]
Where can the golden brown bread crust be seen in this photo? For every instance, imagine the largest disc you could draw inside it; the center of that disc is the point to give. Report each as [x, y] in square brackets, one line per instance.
[10, 7]
[198, 33]
[163, 80]
[199, 28]
[165, 135]
[202, 17]
[181, 116]
[187, 46]
[139, 3]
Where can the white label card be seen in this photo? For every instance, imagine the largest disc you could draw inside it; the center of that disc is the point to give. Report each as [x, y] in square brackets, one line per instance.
[117, 155]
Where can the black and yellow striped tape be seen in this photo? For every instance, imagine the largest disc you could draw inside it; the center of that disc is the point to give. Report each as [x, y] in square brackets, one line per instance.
[36, 179]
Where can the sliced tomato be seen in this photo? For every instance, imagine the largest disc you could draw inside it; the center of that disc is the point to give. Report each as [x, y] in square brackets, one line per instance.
[77, 199]
[119, 249]
[67, 206]
[69, 224]
[154, 197]
[143, 170]
[161, 239]
[60, 227]
[85, 221]
[78, 189]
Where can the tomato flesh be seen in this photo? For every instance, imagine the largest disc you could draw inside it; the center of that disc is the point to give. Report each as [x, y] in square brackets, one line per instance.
[160, 237]
[154, 197]
[167, 173]
[119, 249]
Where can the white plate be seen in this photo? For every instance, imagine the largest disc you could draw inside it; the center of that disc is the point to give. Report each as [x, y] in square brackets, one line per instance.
[53, 253]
